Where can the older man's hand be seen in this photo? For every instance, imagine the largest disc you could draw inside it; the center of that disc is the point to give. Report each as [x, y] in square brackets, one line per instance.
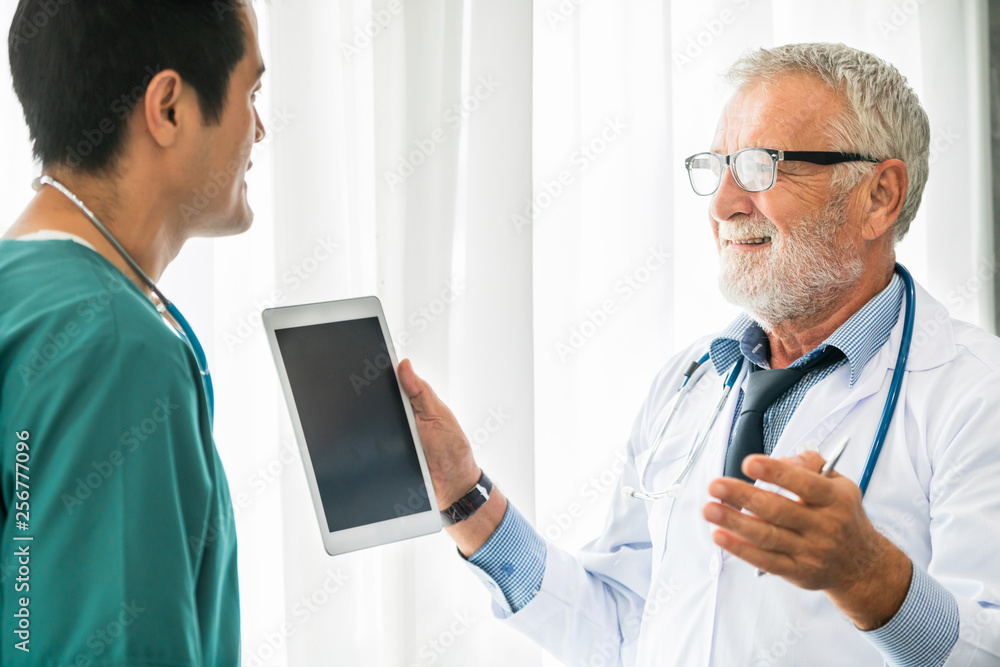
[450, 462]
[823, 541]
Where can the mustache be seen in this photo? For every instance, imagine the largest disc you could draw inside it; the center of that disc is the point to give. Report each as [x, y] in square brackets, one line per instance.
[747, 227]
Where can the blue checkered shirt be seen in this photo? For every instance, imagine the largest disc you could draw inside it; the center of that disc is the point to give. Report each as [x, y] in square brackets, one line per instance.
[859, 338]
[922, 633]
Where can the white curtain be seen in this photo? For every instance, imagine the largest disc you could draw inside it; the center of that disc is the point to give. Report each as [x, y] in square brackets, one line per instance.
[508, 179]
[398, 134]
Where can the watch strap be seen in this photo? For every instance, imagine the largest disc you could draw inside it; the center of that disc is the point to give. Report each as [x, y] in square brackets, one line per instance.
[467, 505]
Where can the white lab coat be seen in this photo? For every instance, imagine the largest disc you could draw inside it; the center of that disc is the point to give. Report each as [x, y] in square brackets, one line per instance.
[653, 590]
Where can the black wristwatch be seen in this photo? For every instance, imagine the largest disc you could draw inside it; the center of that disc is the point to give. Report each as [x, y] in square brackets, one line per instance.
[467, 505]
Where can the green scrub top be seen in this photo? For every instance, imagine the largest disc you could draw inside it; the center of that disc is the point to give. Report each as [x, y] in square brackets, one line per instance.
[109, 466]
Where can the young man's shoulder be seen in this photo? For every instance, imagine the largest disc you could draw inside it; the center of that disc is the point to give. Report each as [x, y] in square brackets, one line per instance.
[71, 297]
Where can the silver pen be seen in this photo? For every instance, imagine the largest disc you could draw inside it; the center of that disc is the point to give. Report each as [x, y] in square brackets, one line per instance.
[826, 470]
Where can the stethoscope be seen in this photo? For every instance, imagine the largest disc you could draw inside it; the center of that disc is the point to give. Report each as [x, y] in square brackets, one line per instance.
[186, 332]
[698, 368]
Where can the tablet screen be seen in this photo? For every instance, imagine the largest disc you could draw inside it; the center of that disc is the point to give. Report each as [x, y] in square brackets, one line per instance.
[353, 420]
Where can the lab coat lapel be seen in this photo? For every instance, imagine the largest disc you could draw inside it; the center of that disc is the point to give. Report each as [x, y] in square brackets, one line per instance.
[812, 423]
[932, 345]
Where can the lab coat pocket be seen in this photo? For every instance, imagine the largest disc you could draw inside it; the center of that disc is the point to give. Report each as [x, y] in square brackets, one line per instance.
[666, 466]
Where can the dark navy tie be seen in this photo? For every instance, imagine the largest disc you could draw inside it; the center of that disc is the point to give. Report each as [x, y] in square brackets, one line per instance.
[762, 388]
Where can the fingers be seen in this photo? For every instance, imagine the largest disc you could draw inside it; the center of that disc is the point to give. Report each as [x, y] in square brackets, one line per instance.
[760, 533]
[810, 540]
[800, 475]
[807, 460]
[769, 561]
[772, 508]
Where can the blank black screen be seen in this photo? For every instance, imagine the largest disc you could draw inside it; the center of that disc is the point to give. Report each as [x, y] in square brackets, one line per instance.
[353, 420]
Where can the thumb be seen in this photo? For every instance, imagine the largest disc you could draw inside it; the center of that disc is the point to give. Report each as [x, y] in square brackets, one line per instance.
[416, 389]
[408, 378]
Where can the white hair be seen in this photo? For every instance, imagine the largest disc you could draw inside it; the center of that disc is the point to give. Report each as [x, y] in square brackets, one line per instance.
[884, 119]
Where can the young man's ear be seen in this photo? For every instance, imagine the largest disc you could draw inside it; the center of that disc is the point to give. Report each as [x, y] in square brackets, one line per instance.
[165, 107]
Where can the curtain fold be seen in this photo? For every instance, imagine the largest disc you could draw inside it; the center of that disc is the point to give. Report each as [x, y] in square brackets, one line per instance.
[407, 144]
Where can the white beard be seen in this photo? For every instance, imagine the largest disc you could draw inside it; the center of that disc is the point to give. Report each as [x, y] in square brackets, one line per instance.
[802, 274]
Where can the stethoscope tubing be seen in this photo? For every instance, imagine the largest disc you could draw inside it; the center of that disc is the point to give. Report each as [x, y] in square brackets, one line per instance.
[691, 379]
[694, 374]
[187, 333]
[897, 378]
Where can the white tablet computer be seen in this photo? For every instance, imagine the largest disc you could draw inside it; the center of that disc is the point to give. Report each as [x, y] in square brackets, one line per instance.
[353, 423]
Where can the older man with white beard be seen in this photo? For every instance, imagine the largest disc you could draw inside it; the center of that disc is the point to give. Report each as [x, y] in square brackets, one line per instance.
[728, 545]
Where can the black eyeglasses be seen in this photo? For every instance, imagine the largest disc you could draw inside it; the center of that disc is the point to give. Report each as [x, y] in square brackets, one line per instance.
[754, 169]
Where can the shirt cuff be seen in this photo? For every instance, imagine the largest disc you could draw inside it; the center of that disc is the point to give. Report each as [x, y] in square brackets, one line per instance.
[924, 630]
[512, 562]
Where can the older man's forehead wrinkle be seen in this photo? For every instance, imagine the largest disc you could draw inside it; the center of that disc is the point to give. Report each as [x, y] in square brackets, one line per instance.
[788, 117]
[746, 125]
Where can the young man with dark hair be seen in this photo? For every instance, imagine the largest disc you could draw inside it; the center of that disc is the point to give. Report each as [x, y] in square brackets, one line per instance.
[117, 539]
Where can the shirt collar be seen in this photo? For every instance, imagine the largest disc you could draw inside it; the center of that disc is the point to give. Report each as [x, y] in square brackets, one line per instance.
[858, 338]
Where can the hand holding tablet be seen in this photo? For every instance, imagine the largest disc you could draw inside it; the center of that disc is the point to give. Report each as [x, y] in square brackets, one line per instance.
[365, 465]
[453, 467]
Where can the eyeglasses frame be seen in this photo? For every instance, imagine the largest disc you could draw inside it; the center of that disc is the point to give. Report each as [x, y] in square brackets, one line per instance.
[824, 158]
